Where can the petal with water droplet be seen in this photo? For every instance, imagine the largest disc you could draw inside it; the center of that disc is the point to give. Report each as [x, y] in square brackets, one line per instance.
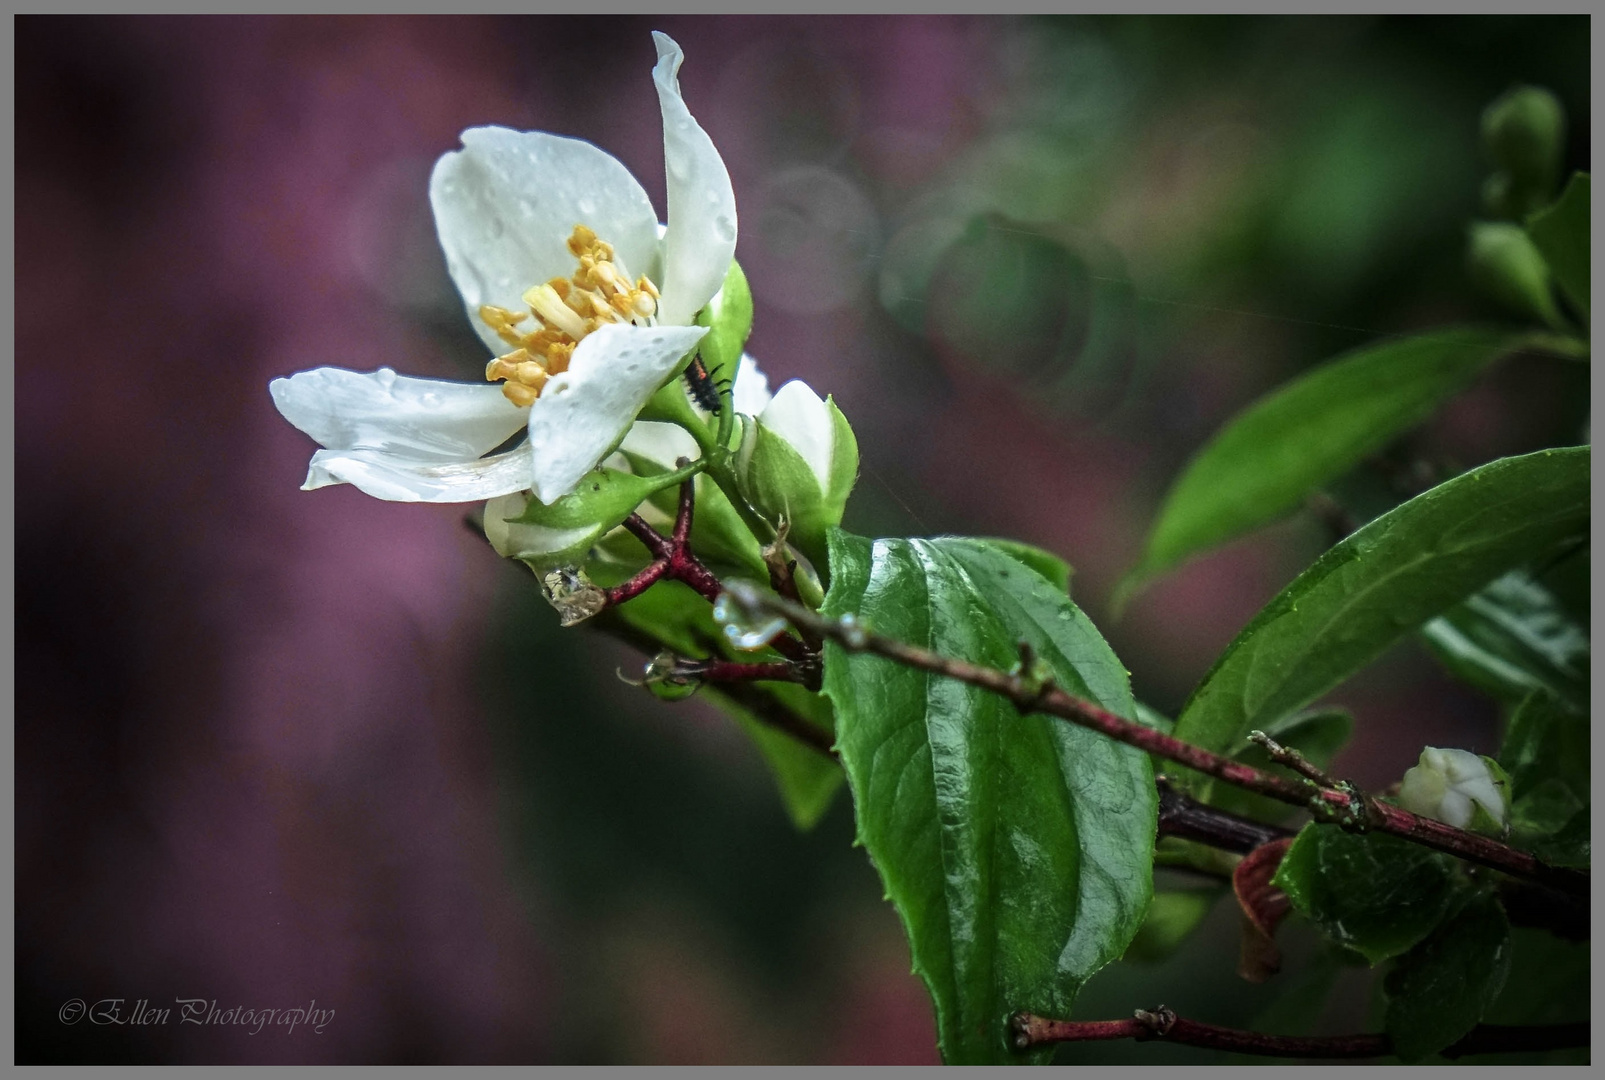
[583, 413]
[701, 237]
[506, 204]
[425, 420]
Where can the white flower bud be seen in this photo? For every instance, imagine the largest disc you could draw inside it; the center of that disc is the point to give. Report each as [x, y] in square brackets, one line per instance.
[798, 463]
[1450, 785]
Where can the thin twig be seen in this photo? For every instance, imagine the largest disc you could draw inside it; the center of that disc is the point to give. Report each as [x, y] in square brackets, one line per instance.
[1162, 1023]
[1342, 805]
[1292, 759]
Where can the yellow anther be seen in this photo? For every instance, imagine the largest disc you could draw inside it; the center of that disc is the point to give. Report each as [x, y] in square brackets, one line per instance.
[502, 321]
[558, 357]
[519, 394]
[566, 309]
[582, 240]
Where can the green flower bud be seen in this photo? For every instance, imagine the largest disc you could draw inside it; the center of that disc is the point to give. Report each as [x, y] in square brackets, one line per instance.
[1524, 134]
[1458, 788]
[729, 319]
[521, 527]
[1504, 262]
[798, 463]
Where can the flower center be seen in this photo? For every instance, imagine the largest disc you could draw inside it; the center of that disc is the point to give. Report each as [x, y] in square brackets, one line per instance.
[565, 310]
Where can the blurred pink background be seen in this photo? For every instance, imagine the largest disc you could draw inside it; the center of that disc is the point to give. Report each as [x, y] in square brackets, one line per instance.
[255, 761]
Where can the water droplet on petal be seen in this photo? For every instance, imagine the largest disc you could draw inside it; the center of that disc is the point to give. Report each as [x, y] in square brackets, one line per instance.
[587, 207]
[725, 228]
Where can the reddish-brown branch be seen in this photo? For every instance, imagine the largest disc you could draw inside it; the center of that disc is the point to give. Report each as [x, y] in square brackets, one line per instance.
[1161, 1023]
[735, 671]
[763, 706]
[1342, 805]
[673, 559]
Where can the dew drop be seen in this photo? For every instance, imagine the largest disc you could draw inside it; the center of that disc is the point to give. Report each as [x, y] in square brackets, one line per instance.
[587, 207]
[725, 228]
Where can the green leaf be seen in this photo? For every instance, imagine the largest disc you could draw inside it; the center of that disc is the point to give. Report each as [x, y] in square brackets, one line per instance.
[1546, 741]
[1373, 893]
[1440, 989]
[1171, 917]
[1317, 734]
[1017, 850]
[1043, 562]
[1548, 981]
[1268, 458]
[1511, 639]
[1569, 845]
[1384, 581]
[1561, 232]
[808, 780]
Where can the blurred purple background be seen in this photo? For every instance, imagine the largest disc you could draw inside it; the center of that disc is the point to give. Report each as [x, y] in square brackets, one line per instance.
[265, 753]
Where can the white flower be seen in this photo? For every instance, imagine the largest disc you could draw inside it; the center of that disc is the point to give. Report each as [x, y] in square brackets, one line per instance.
[1448, 786]
[541, 234]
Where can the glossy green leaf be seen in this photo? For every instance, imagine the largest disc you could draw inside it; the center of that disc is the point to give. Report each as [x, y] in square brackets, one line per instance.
[1373, 893]
[1440, 989]
[1017, 850]
[1172, 916]
[1385, 580]
[1545, 741]
[1270, 457]
[1317, 734]
[1512, 638]
[1548, 981]
[1043, 562]
[1568, 846]
[1561, 232]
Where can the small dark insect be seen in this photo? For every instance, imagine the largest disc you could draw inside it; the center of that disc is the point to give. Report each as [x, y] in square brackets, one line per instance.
[704, 387]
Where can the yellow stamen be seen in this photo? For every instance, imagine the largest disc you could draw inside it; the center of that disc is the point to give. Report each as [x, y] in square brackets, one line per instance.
[566, 309]
[545, 302]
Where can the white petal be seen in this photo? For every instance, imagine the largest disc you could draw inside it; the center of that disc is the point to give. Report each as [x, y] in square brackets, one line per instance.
[751, 392]
[797, 415]
[386, 477]
[701, 239]
[584, 412]
[661, 443]
[416, 419]
[506, 204]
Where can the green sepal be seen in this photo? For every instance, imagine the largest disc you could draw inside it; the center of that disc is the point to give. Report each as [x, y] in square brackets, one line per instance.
[563, 533]
[781, 486]
[728, 317]
[1524, 134]
[1504, 262]
[1561, 232]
